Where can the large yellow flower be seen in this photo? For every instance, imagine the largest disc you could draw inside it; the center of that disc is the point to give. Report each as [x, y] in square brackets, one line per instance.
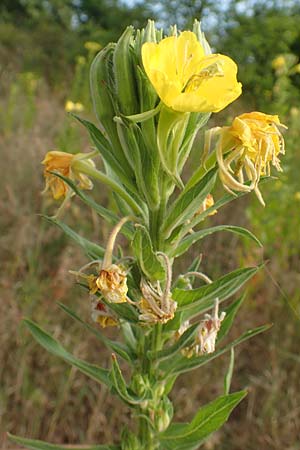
[65, 164]
[253, 141]
[188, 80]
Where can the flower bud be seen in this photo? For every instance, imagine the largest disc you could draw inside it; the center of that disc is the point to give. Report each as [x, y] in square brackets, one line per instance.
[163, 415]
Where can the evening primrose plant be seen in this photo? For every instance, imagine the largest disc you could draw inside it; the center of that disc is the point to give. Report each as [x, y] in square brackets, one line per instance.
[152, 92]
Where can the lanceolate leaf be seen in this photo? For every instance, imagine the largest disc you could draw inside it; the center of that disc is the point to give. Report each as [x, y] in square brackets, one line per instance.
[191, 239]
[223, 288]
[115, 346]
[182, 364]
[54, 347]
[227, 198]
[185, 339]
[124, 173]
[103, 212]
[188, 203]
[231, 312]
[40, 445]
[94, 251]
[208, 419]
[120, 386]
[148, 261]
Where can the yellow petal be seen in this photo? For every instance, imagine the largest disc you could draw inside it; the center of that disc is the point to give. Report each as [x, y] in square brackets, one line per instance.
[186, 79]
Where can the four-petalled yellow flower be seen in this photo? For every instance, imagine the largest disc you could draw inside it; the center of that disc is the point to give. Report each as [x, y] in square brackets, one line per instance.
[188, 80]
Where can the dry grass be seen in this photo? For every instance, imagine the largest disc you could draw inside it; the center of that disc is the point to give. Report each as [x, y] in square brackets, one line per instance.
[41, 397]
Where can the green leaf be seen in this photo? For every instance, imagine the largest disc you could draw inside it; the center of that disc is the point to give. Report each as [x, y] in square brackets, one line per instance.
[123, 310]
[99, 209]
[119, 383]
[182, 364]
[191, 239]
[222, 288]
[148, 261]
[208, 419]
[185, 340]
[188, 203]
[229, 373]
[54, 347]
[231, 312]
[124, 174]
[116, 347]
[94, 251]
[41, 445]
[227, 198]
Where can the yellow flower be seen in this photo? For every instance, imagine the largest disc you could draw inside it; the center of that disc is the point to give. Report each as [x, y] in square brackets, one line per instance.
[297, 196]
[253, 142]
[92, 46]
[188, 80]
[278, 62]
[64, 164]
[73, 107]
[80, 60]
[112, 283]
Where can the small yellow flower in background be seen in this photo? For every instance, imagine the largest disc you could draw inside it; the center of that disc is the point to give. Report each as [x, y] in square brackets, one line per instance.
[80, 60]
[278, 62]
[188, 80]
[253, 142]
[297, 196]
[294, 111]
[112, 283]
[73, 107]
[63, 163]
[92, 46]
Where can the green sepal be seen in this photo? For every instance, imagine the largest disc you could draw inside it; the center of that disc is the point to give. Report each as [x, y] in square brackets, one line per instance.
[51, 345]
[35, 444]
[188, 203]
[148, 261]
[208, 419]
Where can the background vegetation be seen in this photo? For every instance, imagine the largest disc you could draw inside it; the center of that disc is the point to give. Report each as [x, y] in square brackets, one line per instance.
[44, 61]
